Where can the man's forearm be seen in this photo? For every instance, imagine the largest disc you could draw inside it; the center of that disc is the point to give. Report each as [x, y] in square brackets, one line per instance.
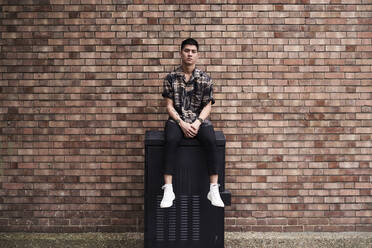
[206, 111]
[173, 113]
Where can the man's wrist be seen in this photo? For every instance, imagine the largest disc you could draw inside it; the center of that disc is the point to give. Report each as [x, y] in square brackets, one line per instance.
[200, 120]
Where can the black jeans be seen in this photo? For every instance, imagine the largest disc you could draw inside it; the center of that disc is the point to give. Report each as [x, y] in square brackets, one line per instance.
[173, 136]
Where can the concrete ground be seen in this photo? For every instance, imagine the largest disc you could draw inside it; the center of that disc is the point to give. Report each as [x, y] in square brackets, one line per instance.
[232, 240]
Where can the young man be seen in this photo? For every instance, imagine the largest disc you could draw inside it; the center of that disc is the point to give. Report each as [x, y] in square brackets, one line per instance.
[189, 97]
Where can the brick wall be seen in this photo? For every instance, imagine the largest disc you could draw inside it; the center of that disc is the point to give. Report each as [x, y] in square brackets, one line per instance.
[81, 82]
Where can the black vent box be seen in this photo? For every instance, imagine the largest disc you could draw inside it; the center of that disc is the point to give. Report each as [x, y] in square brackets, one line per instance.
[192, 222]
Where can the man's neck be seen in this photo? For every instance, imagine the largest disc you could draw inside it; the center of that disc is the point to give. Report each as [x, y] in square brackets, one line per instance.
[188, 69]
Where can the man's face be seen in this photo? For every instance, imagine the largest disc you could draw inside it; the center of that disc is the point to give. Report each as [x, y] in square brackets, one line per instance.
[189, 54]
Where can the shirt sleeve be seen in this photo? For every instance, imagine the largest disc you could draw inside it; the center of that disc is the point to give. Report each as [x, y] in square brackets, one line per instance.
[208, 94]
[167, 88]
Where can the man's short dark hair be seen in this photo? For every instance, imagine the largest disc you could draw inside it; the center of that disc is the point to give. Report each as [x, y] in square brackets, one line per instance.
[190, 41]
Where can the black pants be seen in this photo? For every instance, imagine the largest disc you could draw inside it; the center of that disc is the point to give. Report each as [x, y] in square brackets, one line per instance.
[173, 136]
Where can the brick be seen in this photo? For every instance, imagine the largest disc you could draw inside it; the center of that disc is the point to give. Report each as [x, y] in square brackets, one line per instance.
[81, 83]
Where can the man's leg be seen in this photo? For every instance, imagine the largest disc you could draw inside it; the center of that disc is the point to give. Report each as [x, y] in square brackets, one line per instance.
[173, 135]
[207, 138]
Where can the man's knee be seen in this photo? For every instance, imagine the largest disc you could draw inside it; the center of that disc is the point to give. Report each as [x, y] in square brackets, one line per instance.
[208, 140]
[173, 139]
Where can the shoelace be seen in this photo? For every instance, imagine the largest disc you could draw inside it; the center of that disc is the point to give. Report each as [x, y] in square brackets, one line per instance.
[164, 187]
[216, 185]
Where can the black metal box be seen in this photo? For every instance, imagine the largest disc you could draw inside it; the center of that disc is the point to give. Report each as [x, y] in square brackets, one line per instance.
[192, 222]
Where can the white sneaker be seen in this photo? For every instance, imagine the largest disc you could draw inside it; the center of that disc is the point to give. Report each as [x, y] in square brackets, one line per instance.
[214, 196]
[168, 196]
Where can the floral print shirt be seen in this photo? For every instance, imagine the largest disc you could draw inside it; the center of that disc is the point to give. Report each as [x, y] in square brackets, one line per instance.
[189, 98]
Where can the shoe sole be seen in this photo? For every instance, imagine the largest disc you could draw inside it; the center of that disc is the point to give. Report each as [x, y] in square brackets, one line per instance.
[170, 205]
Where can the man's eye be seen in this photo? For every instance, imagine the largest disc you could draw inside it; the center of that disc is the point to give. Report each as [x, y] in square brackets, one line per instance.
[193, 51]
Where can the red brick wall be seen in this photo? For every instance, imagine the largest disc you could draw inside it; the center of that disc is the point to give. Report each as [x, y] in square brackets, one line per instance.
[81, 82]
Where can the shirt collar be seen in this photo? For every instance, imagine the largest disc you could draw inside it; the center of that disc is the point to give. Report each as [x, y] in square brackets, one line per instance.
[195, 73]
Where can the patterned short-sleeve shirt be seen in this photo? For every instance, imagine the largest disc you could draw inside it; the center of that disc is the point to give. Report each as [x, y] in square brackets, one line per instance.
[189, 98]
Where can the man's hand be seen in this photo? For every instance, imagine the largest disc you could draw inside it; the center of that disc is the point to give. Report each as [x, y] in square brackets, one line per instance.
[190, 130]
[195, 126]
